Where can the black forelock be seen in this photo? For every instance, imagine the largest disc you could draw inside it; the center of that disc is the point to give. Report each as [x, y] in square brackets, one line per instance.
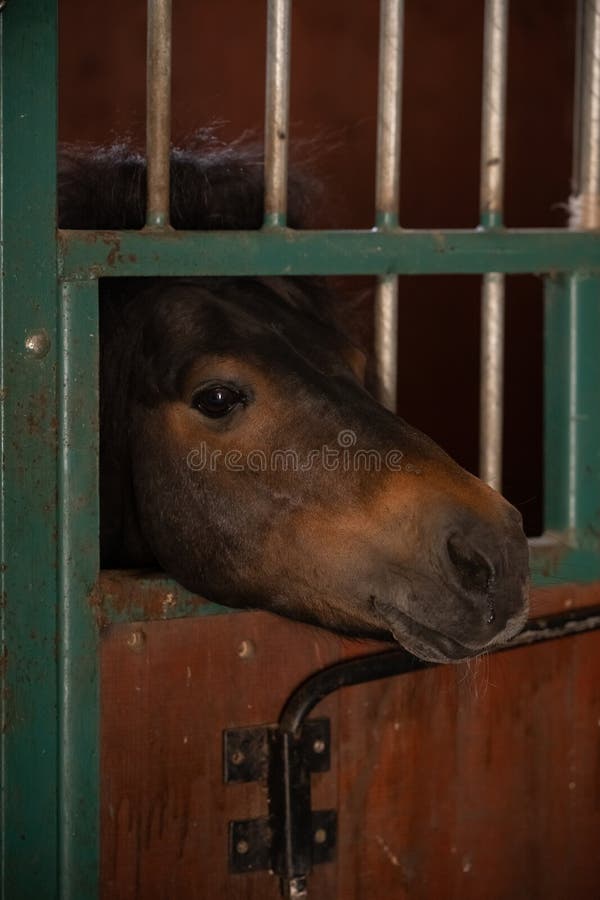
[170, 323]
[213, 186]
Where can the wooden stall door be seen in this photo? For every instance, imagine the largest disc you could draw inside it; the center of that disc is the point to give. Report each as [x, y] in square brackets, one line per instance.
[470, 781]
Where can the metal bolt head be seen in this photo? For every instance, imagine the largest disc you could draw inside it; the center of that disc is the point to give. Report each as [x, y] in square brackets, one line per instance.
[242, 847]
[295, 889]
[37, 343]
[319, 746]
[320, 836]
[136, 641]
[246, 650]
[237, 757]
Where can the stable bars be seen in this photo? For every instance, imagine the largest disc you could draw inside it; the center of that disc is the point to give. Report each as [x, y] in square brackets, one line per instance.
[585, 205]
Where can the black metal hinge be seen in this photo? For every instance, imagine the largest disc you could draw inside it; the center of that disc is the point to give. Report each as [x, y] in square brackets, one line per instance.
[292, 837]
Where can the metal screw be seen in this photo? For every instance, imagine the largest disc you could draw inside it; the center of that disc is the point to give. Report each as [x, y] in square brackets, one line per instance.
[319, 746]
[242, 847]
[295, 889]
[168, 602]
[37, 343]
[320, 836]
[237, 757]
[246, 650]
[136, 641]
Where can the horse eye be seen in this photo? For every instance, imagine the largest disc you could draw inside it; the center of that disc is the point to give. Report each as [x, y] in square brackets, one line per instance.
[216, 401]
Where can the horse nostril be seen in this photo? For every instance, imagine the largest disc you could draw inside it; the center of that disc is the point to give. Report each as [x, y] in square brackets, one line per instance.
[474, 571]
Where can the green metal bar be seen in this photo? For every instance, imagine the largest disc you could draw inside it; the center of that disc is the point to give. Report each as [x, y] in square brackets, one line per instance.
[553, 561]
[572, 423]
[78, 571]
[89, 254]
[29, 450]
[491, 219]
[133, 597]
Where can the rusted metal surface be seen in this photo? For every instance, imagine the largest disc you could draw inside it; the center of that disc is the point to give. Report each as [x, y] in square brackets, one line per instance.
[124, 596]
[88, 254]
[29, 732]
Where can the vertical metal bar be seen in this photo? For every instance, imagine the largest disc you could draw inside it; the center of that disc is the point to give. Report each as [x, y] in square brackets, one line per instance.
[28, 470]
[572, 400]
[387, 189]
[389, 113]
[78, 516]
[386, 339]
[493, 116]
[579, 38]
[572, 431]
[277, 111]
[491, 385]
[491, 195]
[587, 163]
[158, 112]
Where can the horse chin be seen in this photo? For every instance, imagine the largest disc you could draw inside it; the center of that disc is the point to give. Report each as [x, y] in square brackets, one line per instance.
[421, 640]
[435, 646]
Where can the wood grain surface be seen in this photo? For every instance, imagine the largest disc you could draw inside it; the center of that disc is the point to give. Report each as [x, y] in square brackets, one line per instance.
[472, 781]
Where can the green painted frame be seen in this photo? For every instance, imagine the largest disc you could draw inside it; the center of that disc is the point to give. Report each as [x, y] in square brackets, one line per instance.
[51, 612]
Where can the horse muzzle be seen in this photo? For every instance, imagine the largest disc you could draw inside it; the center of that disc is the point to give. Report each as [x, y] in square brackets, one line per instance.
[467, 591]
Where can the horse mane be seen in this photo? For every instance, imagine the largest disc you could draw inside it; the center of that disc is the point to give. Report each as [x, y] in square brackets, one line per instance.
[213, 186]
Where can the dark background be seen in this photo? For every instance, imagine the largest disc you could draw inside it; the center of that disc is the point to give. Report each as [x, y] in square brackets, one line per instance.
[219, 78]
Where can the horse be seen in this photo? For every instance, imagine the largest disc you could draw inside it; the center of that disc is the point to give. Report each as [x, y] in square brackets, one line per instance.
[242, 452]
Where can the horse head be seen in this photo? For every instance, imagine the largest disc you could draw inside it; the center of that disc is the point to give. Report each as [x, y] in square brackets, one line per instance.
[242, 453]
